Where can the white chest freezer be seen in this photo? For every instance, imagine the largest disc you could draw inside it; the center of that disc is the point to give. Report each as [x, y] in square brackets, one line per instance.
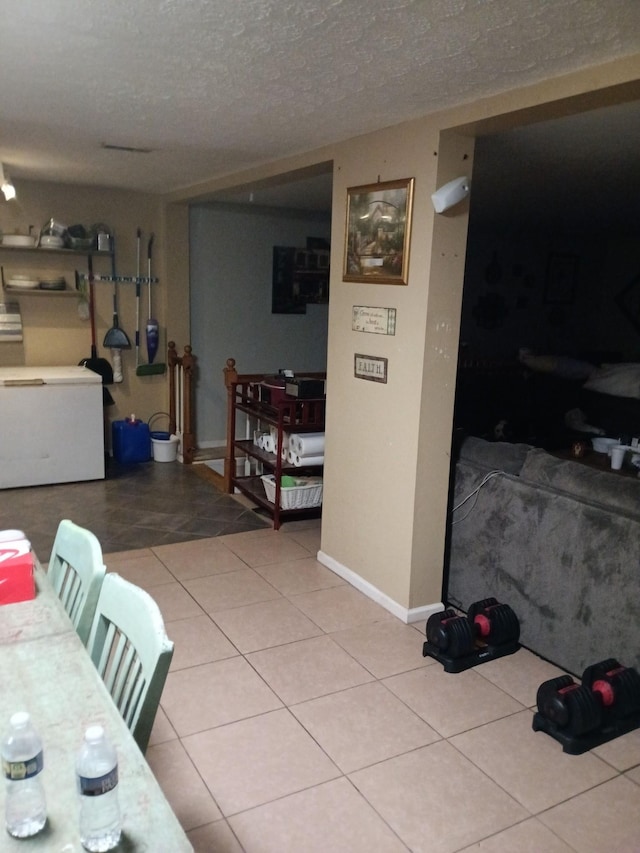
[51, 426]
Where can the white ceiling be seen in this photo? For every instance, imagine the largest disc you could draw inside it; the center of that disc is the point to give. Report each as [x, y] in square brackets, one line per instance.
[216, 86]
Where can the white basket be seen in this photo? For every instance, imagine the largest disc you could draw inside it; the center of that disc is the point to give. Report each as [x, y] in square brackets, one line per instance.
[307, 494]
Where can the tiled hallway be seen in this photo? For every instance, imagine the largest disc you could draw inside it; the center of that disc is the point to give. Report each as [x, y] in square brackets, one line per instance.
[300, 717]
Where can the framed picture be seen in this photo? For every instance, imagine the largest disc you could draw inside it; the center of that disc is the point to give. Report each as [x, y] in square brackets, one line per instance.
[378, 232]
[561, 279]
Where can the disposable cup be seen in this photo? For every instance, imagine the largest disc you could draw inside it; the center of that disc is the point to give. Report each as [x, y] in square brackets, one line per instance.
[617, 457]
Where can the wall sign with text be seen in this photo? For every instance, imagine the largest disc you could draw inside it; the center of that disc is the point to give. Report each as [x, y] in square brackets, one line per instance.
[377, 321]
[370, 367]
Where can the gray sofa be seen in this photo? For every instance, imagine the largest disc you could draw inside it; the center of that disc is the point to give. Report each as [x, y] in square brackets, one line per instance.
[556, 540]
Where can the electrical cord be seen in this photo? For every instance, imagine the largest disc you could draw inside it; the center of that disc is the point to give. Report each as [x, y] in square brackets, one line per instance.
[475, 493]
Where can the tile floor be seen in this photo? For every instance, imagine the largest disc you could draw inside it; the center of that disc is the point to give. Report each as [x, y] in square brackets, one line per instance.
[299, 716]
[134, 507]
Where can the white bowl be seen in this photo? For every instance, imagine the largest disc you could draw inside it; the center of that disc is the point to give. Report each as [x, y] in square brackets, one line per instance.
[604, 445]
[22, 240]
[51, 241]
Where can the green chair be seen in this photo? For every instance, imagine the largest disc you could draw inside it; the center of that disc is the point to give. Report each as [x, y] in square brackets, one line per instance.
[131, 651]
[76, 572]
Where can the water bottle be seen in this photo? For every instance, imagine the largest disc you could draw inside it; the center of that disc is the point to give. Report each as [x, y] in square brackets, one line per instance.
[97, 776]
[25, 806]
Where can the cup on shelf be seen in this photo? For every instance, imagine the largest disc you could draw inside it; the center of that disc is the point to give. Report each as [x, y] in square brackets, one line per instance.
[617, 456]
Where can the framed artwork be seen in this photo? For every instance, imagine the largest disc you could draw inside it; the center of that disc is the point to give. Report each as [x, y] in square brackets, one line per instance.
[378, 232]
[561, 279]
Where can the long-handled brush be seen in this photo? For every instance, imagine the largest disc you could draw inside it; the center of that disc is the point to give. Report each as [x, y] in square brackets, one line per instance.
[152, 330]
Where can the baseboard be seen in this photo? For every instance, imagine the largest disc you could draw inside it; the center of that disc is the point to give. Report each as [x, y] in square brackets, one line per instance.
[408, 616]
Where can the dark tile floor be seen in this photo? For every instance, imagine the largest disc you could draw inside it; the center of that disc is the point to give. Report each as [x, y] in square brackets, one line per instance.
[135, 506]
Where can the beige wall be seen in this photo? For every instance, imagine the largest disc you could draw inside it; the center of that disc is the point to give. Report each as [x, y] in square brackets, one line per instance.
[54, 333]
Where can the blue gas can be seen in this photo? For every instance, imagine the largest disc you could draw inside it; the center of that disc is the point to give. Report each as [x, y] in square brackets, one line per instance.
[130, 441]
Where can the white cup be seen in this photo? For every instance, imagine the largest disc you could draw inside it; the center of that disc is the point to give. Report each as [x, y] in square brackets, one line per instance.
[617, 456]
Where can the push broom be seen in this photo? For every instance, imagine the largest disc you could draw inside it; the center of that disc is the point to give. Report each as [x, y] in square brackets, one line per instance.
[152, 331]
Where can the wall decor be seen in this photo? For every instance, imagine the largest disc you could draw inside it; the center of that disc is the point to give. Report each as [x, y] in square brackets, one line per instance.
[560, 281]
[370, 367]
[378, 232]
[300, 276]
[377, 321]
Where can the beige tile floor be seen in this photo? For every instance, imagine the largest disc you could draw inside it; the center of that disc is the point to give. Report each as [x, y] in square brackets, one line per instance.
[298, 717]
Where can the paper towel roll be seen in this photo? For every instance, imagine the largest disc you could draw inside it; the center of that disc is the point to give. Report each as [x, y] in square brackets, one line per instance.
[294, 438]
[291, 456]
[284, 453]
[311, 444]
[268, 444]
[301, 461]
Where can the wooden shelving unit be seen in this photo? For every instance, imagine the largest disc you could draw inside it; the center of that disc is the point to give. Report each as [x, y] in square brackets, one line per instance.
[286, 416]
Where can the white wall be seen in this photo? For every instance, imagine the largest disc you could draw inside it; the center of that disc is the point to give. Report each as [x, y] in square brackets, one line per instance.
[231, 271]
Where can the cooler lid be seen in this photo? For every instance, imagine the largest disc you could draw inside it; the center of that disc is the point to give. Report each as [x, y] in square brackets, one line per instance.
[73, 375]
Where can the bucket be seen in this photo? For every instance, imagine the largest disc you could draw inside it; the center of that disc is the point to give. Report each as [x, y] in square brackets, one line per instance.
[165, 446]
[130, 441]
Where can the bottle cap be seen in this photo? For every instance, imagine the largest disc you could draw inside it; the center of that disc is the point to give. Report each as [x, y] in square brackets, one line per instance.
[19, 719]
[94, 733]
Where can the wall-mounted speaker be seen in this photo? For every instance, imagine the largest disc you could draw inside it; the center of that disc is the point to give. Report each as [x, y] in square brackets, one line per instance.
[450, 194]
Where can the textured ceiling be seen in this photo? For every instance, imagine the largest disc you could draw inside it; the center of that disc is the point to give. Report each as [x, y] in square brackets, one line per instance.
[215, 86]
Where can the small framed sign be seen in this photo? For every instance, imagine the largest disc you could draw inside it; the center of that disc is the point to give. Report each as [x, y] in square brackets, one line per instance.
[377, 321]
[370, 367]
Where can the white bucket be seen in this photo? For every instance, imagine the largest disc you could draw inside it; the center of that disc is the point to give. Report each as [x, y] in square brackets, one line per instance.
[165, 450]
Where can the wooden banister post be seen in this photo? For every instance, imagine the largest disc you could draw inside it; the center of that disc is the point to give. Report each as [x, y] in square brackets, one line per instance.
[172, 361]
[230, 378]
[188, 438]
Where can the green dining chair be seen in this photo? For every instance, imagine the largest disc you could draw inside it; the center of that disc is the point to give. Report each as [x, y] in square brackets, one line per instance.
[131, 651]
[76, 571]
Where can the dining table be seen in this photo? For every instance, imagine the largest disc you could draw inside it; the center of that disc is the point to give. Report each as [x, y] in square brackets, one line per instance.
[46, 670]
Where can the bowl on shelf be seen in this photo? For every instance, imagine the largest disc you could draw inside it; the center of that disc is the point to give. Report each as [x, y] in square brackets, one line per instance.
[604, 445]
[53, 283]
[21, 281]
[23, 241]
[51, 241]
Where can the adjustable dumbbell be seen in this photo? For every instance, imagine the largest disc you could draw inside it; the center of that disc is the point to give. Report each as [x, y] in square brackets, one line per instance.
[609, 692]
[494, 623]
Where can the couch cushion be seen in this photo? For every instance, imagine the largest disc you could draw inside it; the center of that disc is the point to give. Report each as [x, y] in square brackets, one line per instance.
[599, 488]
[494, 455]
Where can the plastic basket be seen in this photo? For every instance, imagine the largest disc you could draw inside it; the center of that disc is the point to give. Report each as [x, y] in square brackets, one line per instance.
[307, 494]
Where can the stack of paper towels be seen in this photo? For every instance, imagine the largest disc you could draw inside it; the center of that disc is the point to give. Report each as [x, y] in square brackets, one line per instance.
[304, 449]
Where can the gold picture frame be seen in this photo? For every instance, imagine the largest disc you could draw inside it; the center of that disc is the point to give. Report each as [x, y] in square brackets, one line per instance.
[378, 232]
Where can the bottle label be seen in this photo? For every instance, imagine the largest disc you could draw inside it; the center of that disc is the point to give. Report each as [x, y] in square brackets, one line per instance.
[93, 787]
[16, 770]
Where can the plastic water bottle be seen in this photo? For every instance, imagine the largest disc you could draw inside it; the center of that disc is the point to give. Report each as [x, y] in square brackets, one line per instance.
[97, 775]
[25, 806]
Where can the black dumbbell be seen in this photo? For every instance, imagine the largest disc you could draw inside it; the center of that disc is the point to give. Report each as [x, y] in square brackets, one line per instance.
[494, 623]
[617, 687]
[572, 707]
[450, 633]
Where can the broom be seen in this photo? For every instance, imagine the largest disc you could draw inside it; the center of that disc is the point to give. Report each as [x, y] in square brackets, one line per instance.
[152, 331]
